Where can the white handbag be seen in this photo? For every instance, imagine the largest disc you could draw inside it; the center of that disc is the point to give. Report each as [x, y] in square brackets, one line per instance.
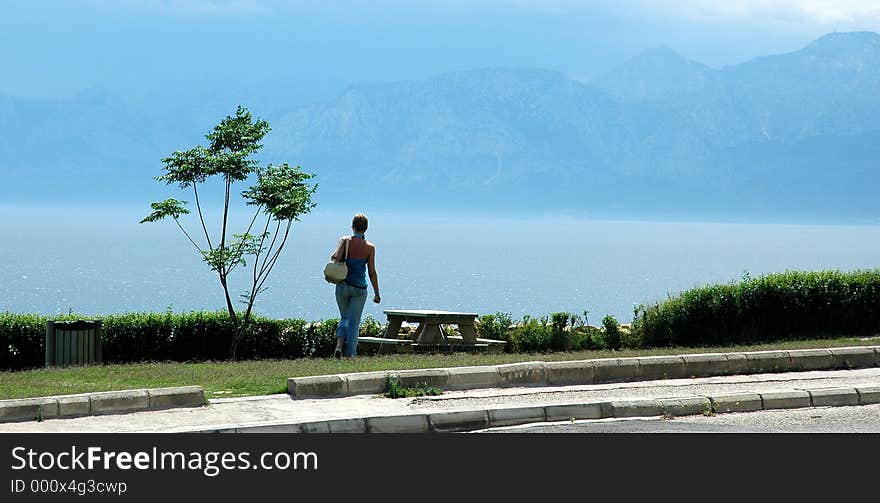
[336, 272]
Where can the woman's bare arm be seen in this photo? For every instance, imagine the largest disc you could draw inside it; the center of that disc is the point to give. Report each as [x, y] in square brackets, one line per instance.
[374, 278]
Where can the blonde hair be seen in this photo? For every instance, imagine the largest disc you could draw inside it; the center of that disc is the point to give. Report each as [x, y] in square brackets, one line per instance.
[359, 223]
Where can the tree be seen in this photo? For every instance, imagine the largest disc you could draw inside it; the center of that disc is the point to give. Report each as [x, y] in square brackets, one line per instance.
[282, 194]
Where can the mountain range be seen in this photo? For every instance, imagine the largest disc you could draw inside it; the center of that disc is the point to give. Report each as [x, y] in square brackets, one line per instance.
[791, 136]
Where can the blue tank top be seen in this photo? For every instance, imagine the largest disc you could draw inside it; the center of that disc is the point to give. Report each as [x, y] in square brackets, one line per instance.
[357, 271]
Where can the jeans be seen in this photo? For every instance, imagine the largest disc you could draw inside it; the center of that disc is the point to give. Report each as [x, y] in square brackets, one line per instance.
[351, 302]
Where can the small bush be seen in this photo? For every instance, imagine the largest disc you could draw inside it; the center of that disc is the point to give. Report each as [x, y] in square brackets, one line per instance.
[533, 335]
[495, 326]
[371, 328]
[560, 339]
[613, 335]
[587, 338]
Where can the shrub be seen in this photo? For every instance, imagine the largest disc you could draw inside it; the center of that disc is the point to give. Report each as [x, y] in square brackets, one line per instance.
[495, 326]
[587, 338]
[292, 337]
[371, 328]
[21, 335]
[560, 339]
[790, 305]
[612, 332]
[321, 338]
[532, 335]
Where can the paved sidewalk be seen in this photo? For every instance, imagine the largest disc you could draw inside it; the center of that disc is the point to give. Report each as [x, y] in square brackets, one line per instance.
[231, 413]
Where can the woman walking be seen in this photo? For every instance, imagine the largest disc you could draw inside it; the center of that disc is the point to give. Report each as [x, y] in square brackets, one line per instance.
[351, 293]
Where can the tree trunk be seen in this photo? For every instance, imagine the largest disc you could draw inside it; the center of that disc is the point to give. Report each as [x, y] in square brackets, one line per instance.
[233, 349]
[233, 318]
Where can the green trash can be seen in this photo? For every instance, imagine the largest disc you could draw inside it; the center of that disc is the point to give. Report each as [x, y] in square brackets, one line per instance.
[73, 343]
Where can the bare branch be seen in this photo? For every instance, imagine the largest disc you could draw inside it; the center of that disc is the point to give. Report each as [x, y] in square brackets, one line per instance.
[260, 249]
[275, 257]
[271, 245]
[199, 207]
[241, 245]
[187, 235]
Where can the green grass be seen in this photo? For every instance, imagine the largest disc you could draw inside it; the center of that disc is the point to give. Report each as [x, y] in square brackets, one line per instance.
[263, 377]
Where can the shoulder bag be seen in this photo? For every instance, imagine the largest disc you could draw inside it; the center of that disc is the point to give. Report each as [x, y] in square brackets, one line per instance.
[335, 272]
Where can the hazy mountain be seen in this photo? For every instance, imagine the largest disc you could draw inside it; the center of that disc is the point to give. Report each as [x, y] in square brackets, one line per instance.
[661, 74]
[791, 135]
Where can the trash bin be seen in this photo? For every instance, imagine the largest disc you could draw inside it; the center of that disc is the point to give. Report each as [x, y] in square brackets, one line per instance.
[71, 343]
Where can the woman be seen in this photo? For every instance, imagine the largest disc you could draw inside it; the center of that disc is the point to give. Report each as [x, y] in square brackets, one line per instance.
[351, 293]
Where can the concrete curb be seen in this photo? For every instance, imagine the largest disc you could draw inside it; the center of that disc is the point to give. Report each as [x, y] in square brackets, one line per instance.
[598, 371]
[469, 420]
[93, 404]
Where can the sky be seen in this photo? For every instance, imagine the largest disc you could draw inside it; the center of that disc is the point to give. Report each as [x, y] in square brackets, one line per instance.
[309, 51]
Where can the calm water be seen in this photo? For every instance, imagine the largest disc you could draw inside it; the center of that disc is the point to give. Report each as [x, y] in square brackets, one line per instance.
[96, 262]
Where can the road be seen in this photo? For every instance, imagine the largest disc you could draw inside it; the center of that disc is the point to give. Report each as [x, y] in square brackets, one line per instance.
[859, 419]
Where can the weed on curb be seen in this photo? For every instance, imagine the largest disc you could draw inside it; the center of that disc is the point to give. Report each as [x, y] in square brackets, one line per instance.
[393, 389]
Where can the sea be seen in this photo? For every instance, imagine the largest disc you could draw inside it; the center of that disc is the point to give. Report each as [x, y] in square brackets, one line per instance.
[101, 260]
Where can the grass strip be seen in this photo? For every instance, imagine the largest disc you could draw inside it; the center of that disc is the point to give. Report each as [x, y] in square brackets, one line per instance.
[264, 377]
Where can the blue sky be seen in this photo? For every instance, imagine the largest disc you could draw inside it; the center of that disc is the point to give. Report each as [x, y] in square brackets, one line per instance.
[309, 51]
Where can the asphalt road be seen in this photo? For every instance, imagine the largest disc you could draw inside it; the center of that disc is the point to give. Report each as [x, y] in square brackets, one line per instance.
[860, 419]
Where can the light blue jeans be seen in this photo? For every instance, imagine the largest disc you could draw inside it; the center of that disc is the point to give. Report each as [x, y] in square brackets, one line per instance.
[351, 302]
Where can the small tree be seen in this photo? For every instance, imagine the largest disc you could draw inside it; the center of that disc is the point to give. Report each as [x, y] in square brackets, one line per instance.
[281, 193]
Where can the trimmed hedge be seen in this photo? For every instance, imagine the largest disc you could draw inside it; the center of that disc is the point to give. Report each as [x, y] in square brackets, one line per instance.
[194, 336]
[790, 305]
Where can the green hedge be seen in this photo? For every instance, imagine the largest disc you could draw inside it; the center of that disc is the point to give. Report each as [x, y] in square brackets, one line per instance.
[791, 305]
[193, 336]
[558, 332]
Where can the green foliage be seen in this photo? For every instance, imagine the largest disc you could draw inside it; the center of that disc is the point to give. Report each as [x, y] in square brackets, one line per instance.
[168, 208]
[187, 168]
[532, 335]
[613, 335]
[790, 305]
[321, 337]
[787, 306]
[24, 335]
[560, 331]
[371, 328]
[587, 338]
[560, 339]
[282, 191]
[495, 326]
[191, 336]
[393, 389]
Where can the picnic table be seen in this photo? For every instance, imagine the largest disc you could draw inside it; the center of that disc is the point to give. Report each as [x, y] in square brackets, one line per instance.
[430, 329]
